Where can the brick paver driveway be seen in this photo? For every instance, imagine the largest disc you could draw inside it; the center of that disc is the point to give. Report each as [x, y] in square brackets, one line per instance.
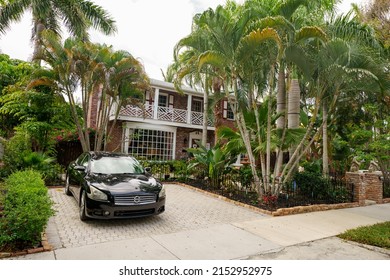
[185, 209]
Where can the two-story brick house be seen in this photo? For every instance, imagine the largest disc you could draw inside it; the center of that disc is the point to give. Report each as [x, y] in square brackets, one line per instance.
[166, 125]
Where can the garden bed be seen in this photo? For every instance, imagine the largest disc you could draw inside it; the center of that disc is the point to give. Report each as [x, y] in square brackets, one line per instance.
[276, 208]
[20, 250]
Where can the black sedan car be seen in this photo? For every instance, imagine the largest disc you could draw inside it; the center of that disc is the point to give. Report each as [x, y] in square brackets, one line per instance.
[108, 185]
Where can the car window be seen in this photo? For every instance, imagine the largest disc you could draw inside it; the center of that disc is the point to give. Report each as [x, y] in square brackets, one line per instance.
[80, 159]
[83, 160]
[116, 165]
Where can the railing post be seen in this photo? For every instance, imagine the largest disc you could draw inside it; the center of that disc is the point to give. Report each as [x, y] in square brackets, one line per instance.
[155, 111]
[189, 108]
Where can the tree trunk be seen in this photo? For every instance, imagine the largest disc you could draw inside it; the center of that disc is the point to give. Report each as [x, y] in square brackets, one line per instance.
[39, 27]
[294, 98]
[325, 153]
[217, 110]
[205, 115]
[240, 121]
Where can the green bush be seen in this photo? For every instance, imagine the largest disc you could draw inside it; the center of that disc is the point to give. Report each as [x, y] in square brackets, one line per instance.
[20, 156]
[311, 184]
[27, 208]
[45, 165]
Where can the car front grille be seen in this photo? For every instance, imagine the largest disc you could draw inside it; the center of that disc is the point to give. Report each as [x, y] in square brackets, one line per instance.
[136, 213]
[135, 199]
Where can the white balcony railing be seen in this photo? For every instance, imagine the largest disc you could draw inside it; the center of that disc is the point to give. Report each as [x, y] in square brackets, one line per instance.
[137, 112]
[172, 115]
[163, 114]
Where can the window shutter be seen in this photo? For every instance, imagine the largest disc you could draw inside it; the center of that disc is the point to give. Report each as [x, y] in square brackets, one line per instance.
[171, 101]
[225, 106]
[147, 98]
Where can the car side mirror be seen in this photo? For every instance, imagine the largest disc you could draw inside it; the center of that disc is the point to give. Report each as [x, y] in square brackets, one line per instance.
[80, 168]
[148, 169]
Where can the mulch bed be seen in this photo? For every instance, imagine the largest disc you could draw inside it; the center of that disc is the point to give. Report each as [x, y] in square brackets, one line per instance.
[251, 198]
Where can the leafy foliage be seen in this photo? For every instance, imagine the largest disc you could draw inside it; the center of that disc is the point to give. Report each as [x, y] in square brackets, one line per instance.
[210, 163]
[19, 155]
[27, 208]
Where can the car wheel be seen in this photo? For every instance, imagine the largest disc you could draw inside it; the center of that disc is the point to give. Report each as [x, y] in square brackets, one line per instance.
[82, 209]
[67, 191]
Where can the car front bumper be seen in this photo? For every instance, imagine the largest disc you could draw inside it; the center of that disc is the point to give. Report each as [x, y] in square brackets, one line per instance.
[106, 210]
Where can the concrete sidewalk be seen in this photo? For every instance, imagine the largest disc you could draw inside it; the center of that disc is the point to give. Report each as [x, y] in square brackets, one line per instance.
[301, 236]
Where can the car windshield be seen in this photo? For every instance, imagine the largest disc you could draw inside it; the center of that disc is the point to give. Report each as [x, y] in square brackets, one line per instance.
[116, 165]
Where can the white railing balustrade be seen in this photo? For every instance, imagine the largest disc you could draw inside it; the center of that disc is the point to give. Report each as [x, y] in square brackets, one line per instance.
[197, 118]
[172, 115]
[137, 112]
[163, 114]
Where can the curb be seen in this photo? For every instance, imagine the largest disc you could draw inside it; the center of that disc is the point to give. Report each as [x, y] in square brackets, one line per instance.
[45, 247]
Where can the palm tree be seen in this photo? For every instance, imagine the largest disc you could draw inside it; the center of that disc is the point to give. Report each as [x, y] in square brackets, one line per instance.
[233, 52]
[336, 66]
[96, 69]
[186, 53]
[77, 16]
[289, 20]
[123, 80]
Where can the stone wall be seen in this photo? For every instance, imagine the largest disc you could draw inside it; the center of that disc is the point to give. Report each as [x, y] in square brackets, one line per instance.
[367, 186]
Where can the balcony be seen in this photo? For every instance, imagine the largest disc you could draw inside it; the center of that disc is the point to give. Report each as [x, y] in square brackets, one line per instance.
[165, 114]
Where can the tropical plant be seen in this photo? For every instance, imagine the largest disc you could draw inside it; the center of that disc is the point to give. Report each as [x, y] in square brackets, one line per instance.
[213, 162]
[110, 76]
[265, 47]
[123, 80]
[76, 16]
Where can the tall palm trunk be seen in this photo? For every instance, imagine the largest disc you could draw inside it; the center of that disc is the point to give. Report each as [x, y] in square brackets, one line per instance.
[242, 127]
[294, 98]
[217, 110]
[205, 114]
[325, 153]
[39, 27]
[281, 121]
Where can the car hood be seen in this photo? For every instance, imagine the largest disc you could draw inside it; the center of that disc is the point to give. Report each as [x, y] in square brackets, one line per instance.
[125, 183]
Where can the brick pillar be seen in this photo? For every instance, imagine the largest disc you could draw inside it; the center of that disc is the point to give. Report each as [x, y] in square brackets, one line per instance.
[359, 191]
[374, 186]
[366, 186]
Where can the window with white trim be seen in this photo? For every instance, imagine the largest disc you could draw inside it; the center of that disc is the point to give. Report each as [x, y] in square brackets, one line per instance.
[150, 144]
[197, 105]
[163, 100]
[229, 112]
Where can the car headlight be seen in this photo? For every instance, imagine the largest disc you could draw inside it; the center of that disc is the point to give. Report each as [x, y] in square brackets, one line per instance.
[97, 194]
[162, 191]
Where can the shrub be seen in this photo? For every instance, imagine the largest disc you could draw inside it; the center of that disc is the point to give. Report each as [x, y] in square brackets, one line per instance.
[27, 208]
[20, 156]
[45, 165]
[311, 184]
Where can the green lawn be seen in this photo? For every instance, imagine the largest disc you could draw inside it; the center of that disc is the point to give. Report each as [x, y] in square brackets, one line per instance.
[375, 235]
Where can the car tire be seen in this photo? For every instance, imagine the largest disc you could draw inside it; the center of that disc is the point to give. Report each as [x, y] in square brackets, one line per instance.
[67, 191]
[82, 209]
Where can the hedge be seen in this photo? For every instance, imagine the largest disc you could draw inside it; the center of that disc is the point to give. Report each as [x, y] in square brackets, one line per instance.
[27, 209]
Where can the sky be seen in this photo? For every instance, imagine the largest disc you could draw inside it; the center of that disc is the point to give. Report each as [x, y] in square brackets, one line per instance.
[148, 29]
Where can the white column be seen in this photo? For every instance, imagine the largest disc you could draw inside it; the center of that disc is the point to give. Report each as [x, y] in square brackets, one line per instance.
[189, 108]
[155, 109]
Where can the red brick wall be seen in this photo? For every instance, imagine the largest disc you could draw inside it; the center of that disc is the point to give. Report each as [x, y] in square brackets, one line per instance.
[182, 145]
[367, 186]
[93, 105]
[115, 141]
